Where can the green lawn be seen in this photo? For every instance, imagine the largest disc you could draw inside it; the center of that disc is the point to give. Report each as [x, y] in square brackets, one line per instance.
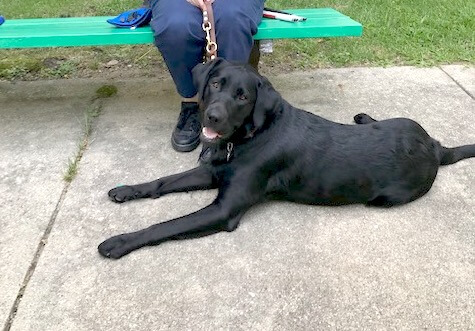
[396, 32]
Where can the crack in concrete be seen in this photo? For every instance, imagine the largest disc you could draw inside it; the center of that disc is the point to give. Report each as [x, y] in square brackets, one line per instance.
[458, 83]
[34, 262]
[97, 103]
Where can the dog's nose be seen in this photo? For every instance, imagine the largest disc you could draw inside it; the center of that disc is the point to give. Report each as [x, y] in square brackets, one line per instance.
[214, 116]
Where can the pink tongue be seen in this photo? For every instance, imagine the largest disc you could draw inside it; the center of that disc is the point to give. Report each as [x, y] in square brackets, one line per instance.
[210, 133]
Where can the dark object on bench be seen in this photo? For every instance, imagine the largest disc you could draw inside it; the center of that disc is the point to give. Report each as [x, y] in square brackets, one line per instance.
[132, 18]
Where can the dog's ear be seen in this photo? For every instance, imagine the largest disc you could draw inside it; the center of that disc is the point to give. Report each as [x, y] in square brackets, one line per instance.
[202, 72]
[267, 103]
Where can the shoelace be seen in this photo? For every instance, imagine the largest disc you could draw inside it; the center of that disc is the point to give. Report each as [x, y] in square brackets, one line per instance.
[193, 123]
[188, 120]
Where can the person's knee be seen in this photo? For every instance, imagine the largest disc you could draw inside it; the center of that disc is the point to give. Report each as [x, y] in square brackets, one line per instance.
[176, 29]
[234, 31]
[232, 22]
[234, 17]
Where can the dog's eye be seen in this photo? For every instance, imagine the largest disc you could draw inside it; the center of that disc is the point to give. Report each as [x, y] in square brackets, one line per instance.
[215, 84]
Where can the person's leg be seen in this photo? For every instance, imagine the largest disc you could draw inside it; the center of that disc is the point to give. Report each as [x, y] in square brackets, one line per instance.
[236, 23]
[180, 39]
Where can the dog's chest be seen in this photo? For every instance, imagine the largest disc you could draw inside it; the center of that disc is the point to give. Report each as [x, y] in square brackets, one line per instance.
[216, 155]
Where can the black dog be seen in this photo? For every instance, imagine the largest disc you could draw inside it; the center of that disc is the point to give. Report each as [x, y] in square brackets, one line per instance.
[257, 147]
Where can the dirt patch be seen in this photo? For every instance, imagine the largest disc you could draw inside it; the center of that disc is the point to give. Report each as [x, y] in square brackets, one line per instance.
[62, 68]
[112, 63]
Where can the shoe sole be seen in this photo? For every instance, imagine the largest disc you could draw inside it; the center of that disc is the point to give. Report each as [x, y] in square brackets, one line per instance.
[185, 148]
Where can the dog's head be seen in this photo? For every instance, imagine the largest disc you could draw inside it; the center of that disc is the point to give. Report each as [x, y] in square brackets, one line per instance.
[233, 98]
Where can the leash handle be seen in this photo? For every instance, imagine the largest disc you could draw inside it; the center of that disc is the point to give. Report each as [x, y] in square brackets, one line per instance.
[209, 28]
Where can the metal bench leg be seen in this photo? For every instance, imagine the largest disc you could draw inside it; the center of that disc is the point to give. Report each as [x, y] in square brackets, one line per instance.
[255, 55]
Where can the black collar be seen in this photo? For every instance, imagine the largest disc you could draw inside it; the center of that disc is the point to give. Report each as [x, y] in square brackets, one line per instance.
[217, 154]
[223, 152]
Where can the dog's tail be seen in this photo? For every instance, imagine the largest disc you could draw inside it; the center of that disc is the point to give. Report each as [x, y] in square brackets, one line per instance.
[455, 154]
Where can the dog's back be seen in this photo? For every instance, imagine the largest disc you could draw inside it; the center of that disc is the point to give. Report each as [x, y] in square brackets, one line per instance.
[382, 163]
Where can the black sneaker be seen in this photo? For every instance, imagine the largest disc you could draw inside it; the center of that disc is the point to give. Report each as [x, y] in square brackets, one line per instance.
[186, 136]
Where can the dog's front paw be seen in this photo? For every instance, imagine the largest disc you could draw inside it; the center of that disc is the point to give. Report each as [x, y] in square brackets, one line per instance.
[359, 118]
[117, 246]
[123, 193]
[363, 118]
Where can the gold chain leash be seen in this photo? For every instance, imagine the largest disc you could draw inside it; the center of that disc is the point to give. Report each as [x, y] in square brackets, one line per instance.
[211, 45]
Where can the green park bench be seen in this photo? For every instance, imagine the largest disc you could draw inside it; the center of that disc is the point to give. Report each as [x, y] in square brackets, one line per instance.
[95, 31]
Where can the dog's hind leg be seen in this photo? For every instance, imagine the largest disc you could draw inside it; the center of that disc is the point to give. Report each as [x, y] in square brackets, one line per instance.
[363, 118]
[195, 179]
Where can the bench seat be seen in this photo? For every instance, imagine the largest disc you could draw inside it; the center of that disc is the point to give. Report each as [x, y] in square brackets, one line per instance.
[95, 31]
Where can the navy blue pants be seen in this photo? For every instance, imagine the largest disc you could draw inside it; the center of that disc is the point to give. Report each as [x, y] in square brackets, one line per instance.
[180, 37]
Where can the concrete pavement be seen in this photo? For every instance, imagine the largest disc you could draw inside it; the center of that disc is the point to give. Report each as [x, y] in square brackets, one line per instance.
[287, 267]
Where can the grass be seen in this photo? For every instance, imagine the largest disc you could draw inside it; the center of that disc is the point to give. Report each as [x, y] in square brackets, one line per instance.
[64, 8]
[423, 33]
[396, 32]
[71, 62]
[92, 112]
[73, 164]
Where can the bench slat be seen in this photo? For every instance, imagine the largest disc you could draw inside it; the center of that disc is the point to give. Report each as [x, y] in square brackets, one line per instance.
[95, 31]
